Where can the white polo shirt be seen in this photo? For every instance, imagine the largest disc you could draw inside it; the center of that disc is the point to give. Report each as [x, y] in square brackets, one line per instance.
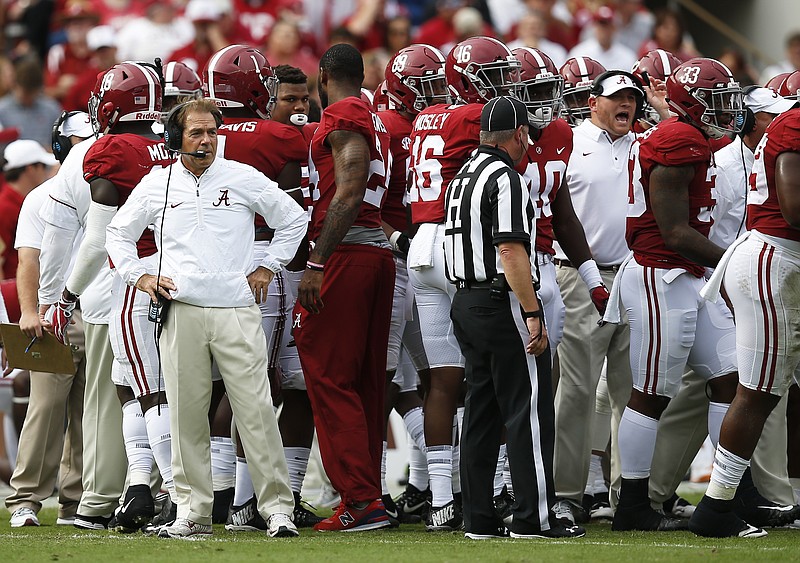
[734, 163]
[597, 179]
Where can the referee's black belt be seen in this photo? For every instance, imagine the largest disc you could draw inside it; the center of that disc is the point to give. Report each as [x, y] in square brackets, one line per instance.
[463, 284]
[568, 264]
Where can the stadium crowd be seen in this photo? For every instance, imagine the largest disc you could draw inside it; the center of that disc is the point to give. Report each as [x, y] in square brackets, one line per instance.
[560, 243]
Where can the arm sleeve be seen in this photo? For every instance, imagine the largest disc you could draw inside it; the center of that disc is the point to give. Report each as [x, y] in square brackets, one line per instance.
[91, 254]
[121, 235]
[54, 260]
[288, 219]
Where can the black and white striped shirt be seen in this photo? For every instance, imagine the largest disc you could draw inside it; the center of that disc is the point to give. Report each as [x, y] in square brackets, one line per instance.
[486, 203]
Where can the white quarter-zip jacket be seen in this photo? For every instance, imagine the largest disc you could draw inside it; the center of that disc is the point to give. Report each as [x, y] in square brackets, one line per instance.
[206, 235]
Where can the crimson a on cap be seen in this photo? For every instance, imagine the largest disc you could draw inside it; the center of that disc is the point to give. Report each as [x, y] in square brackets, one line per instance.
[617, 82]
[503, 114]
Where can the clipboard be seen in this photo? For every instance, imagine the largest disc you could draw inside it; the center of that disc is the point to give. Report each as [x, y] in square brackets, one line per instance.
[45, 354]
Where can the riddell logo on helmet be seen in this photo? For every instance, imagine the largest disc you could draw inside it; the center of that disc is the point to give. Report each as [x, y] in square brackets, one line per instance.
[226, 103]
[144, 116]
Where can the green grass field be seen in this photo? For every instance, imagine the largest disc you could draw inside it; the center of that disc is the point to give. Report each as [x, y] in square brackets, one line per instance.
[409, 544]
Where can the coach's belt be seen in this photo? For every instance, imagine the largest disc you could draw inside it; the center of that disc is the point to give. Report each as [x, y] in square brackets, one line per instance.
[568, 264]
[543, 258]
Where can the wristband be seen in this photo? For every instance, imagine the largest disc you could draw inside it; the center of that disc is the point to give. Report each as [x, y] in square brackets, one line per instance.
[590, 274]
[537, 314]
[315, 267]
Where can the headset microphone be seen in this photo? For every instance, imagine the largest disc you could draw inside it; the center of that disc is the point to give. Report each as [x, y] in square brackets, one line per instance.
[299, 118]
[196, 154]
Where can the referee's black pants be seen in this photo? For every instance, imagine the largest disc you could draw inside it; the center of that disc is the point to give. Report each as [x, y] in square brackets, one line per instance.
[505, 387]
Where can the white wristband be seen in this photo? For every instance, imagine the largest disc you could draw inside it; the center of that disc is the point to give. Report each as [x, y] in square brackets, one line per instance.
[394, 238]
[590, 274]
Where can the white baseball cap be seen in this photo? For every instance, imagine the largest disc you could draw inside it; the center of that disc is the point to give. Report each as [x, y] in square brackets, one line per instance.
[101, 36]
[24, 152]
[767, 100]
[617, 82]
[78, 124]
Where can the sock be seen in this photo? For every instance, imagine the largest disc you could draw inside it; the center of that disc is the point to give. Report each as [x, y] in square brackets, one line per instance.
[137, 444]
[157, 421]
[440, 469]
[417, 467]
[595, 472]
[637, 442]
[716, 412]
[244, 484]
[223, 463]
[507, 476]
[726, 475]
[415, 424]
[498, 472]
[384, 485]
[297, 462]
[456, 463]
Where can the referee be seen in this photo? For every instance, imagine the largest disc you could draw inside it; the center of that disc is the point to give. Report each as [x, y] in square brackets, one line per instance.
[498, 322]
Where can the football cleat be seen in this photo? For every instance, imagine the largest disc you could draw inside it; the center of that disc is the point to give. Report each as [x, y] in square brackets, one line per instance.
[559, 531]
[414, 502]
[136, 510]
[91, 522]
[448, 518]
[503, 505]
[678, 507]
[715, 519]
[246, 518]
[642, 517]
[302, 516]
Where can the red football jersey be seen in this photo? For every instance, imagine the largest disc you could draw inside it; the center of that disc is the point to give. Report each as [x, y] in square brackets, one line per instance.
[394, 207]
[670, 143]
[349, 114]
[265, 145]
[543, 169]
[763, 207]
[442, 139]
[124, 160]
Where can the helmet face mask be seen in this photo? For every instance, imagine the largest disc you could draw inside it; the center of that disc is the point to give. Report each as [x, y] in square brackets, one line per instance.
[481, 68]
[724, 115]
[541, 87]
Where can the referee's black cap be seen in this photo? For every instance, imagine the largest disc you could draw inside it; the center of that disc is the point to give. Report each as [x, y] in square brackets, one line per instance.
[503, 113]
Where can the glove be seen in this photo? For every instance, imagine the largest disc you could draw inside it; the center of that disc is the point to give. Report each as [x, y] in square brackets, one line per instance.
[400, 244]
[600, 298]
[60, 316]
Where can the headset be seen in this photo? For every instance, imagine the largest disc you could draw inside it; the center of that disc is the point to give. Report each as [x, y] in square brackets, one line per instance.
[173, 131]
[749, 118]
[61, 144]
[597, 88]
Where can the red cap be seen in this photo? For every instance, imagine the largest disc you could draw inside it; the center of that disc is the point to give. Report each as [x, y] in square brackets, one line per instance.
[603, 14]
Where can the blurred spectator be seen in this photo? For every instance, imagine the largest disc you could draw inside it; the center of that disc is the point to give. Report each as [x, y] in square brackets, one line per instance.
[375, 61]
[603, 47]
[117, 13]
[158, 34]
[439, 31]
[255, 18]
[789, 64]
[212, 27]
[103, 44]
[398, 33]
[734, 59]
[285, 48]
[558, 19]
[27, 26]
[342, 35]
[65, 61]
[634, 23]
[531, 33]
[26, 165]
[669, 33]
[26, 107]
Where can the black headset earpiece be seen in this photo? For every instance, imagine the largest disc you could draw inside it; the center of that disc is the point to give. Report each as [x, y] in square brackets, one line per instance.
[173, 130]
[749, 118]
[597, 88]
[61, 144]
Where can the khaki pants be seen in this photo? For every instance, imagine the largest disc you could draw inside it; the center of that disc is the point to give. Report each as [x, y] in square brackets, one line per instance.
[104, 461]
[43, 443]
[581, 353]
[234, 338]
